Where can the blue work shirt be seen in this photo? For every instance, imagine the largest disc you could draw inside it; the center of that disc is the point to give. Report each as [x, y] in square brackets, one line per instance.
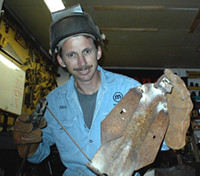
[63, 102]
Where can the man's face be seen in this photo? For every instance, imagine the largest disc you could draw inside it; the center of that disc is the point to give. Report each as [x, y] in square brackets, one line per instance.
[80, 56]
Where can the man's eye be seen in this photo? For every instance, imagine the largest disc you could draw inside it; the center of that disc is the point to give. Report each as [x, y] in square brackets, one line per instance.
[70, 55]
[87, 51]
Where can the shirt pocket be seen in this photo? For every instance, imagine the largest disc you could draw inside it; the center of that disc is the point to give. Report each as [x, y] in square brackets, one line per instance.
[61, 138]
[64, 136]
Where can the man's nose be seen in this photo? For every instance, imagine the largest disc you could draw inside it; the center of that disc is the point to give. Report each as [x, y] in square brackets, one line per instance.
[82, 61]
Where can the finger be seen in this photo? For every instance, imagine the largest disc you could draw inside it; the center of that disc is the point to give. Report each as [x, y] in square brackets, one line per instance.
[23, 127]
[33, 137]
[23, 117]
[175, 79]
[179, 86]
[22, 150]
[43, 123]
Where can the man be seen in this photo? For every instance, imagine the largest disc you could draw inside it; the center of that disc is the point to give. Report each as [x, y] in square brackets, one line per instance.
[85, 100]
[81, 103]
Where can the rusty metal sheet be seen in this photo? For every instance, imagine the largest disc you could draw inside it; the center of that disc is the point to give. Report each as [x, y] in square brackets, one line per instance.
[147, 152]
[134, 135]
[114, 126]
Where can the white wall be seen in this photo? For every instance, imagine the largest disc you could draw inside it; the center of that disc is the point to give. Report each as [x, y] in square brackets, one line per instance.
[64, 76]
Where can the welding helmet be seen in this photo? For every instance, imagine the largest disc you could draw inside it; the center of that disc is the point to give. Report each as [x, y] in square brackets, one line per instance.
[71, 22]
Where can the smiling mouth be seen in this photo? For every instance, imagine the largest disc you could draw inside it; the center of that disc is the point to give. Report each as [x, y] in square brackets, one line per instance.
[83, 68]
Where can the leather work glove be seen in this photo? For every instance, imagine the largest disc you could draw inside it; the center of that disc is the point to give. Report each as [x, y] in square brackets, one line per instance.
[24, 135]
[179, 108]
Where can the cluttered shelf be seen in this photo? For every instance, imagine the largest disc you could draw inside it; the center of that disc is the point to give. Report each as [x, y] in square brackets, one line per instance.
[193, 88]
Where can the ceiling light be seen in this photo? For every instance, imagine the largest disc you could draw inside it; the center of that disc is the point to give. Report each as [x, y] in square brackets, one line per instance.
[54, 5]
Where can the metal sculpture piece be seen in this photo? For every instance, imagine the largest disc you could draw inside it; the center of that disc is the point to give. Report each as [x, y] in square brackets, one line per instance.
[134, 130]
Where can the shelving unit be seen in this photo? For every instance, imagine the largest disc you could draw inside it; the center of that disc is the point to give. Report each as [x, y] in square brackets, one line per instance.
[193, 82]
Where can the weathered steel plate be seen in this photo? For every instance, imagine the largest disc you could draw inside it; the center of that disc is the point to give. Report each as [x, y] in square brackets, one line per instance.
[133, 132]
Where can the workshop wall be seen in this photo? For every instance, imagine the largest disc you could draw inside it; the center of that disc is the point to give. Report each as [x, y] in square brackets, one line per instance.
[21, 49]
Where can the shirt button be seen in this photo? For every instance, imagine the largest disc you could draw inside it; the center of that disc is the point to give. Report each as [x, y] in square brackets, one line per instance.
[90, 140]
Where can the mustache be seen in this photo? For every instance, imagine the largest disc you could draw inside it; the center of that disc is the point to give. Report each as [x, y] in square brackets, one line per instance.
[82, 68]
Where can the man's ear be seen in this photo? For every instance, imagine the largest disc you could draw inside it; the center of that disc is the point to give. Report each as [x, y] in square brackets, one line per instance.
[99, 53]
[60, 61]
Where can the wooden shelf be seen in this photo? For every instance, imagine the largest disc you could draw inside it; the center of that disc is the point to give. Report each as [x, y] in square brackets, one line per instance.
[193, 88]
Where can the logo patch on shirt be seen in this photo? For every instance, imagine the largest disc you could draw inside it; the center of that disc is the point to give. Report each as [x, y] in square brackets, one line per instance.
[117, 96]
[63, 107]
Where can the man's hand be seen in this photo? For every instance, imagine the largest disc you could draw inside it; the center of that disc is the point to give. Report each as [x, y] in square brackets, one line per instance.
[24, 135]
[179, 107]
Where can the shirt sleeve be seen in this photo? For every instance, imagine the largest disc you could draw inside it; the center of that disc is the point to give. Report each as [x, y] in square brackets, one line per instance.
[164, 147]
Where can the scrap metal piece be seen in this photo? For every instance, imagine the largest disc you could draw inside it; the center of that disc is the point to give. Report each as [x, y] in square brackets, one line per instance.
[133, 131]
